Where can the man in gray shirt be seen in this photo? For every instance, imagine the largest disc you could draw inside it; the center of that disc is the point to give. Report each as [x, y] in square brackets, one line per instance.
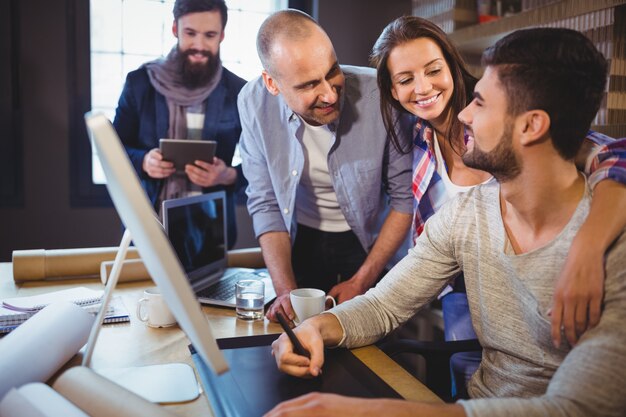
[531, 110]
[330, 198]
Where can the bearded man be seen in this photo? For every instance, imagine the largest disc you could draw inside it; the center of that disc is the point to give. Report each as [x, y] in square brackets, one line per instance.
[186, 95]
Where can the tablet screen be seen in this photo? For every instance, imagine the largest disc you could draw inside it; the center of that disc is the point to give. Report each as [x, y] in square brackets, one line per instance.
[185, 151]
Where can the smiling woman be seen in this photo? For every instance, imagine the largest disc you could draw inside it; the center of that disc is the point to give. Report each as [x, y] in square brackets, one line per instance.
[421, 80]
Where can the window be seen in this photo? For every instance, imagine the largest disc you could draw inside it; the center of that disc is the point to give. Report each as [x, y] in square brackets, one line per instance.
[83, 191]
[126, 33]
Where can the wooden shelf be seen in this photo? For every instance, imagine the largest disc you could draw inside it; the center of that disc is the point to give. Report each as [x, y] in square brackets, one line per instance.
[591, 17]
[615, 131]
[474, 39]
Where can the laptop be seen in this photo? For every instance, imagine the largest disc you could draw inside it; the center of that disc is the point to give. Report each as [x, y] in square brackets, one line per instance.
[196, 228]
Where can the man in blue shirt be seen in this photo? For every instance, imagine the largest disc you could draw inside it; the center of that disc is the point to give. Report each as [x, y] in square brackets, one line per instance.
[187, 95]
[329, 197]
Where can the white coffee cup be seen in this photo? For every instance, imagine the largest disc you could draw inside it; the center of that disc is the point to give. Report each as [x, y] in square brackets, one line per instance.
[308, 302]
[156, 313]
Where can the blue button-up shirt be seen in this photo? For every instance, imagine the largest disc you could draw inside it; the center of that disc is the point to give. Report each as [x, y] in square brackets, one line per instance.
[367, 172]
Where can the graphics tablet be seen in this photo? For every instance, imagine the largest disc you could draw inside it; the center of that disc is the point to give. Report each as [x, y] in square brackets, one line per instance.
[185, 151]
[254, 384]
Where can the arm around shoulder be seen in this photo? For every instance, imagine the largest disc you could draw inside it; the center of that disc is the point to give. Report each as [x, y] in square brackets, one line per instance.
[579, 288]
[603, 158]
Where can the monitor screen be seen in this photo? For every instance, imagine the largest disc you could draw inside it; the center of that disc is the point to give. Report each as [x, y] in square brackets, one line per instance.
[139, 217]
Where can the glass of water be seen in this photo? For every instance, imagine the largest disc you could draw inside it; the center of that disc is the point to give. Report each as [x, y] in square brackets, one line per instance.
[250, 295]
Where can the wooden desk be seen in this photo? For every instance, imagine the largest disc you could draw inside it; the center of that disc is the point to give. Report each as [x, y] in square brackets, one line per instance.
[135, 344]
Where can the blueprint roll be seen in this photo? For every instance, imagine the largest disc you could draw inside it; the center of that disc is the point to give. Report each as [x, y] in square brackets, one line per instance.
[39, 264]
[43, 344]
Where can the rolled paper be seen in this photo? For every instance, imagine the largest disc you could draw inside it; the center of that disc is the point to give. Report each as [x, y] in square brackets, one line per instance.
[37, 400]
[246, 258]
[135, 270]
[132, 270]
[39, 347]
[100, 397]
[40, 264]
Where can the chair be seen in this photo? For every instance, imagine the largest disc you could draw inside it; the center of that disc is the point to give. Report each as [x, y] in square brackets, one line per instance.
[437, 356]
[458, 326]
[450, 363]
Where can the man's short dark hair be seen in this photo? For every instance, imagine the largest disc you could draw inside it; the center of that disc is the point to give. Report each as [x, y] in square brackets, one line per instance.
[558, 71]
[183, 7]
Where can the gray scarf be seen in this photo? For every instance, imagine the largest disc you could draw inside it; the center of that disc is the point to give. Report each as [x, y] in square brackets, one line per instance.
[164, 76]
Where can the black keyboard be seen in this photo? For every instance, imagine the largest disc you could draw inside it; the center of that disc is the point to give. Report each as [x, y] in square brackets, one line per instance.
[224, 289]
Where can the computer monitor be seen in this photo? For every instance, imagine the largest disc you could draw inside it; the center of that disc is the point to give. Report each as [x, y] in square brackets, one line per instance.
[139, 218]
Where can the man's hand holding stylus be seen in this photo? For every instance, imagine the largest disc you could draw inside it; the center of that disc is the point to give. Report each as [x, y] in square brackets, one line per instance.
[314, 333]
[293, 364]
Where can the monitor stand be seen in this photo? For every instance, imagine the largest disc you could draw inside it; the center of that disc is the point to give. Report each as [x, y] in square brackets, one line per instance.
[162, 383]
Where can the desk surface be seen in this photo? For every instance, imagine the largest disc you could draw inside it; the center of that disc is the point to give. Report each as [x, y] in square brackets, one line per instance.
[135, 344]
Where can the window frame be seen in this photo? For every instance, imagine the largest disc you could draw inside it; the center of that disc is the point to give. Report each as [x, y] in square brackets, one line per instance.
[83, 192]
[11, 146]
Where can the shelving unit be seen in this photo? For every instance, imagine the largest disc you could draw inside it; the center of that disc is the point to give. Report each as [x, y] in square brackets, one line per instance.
[474, 39]
[603, 21]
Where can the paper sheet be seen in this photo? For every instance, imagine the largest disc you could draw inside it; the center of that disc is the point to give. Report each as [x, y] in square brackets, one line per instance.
[38, 348]
[15, 404]
[37, 400]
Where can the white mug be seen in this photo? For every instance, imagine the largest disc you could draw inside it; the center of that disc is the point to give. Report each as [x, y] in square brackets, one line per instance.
[308, 302]
[156, 312]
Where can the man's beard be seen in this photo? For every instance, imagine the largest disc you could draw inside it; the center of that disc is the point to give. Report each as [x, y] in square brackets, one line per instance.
[196, 75]
[501, 162]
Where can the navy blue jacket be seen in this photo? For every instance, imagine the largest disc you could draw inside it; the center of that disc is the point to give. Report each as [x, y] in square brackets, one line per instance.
[142, 118]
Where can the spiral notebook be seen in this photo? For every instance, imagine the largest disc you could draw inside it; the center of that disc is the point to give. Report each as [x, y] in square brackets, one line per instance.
[81, 296]
[116, 313]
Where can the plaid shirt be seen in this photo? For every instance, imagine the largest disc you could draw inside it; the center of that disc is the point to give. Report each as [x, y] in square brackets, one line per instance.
[606, 161]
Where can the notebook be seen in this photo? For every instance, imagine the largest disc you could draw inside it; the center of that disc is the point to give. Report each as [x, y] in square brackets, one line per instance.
[82, 296]
[196, 228]
[254, 385]
[11, 319]
[116, 312]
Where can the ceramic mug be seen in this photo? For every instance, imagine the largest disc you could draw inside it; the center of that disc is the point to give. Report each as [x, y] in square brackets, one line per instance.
[308, 302]
[152, 309]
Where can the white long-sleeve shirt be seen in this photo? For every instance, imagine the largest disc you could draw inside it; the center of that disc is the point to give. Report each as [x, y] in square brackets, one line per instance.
[521, 373]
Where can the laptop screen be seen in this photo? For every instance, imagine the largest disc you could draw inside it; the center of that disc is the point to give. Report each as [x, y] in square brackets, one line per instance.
[196, 227]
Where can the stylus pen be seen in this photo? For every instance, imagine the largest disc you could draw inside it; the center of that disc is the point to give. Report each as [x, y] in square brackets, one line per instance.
[297, 346]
